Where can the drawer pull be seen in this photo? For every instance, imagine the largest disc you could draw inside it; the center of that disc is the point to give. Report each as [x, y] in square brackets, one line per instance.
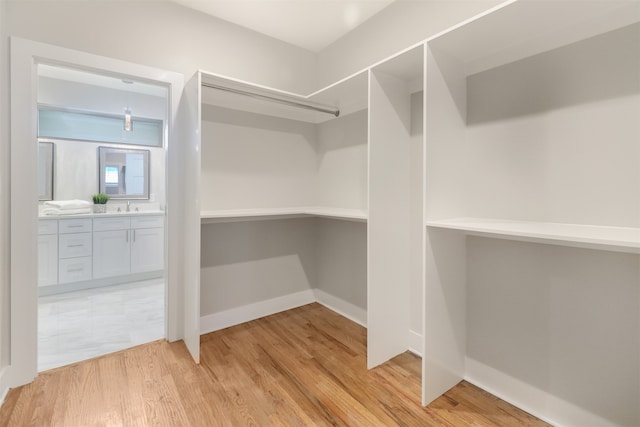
[76, 246]
[72, 270]
[75, 226]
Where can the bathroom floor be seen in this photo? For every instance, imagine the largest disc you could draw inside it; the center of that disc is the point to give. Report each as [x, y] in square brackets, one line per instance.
[79, 325]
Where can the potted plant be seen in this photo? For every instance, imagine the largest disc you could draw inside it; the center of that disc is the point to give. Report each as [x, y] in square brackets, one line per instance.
[100, 202]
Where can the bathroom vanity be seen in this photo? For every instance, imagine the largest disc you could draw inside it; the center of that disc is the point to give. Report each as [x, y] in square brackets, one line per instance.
[84, 251]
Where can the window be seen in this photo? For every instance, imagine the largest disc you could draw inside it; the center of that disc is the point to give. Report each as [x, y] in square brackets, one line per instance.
[99, 127]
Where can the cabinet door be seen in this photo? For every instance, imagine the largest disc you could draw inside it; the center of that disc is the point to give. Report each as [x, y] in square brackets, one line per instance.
[47, 260]
[111, 253]
[147, 250]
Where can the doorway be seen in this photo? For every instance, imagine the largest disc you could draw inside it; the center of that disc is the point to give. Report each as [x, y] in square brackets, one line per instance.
[26, 55]
[101, 284]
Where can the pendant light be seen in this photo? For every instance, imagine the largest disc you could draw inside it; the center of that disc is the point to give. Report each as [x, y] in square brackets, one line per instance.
[128, 123]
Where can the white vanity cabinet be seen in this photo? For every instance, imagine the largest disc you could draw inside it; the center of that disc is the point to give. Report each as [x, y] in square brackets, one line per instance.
[47, 252]
[147, 244]
[99, 250]
[111, 247]
[126, 245]
[74, 250]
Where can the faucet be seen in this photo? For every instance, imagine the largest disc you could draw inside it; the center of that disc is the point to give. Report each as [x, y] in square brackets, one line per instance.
[128, 206]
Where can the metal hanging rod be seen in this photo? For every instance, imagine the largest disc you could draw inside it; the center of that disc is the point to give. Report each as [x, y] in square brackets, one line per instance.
[335, 112]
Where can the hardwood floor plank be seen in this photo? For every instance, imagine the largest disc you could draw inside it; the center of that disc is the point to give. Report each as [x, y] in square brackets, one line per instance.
[302, 367]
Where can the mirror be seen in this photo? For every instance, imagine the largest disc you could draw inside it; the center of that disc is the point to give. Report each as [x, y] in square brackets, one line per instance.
[123, 173]
[45, 171]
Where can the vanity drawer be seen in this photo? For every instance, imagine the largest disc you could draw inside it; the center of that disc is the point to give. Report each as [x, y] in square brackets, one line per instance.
[74, 245]
[74, 225]
[74, 270]
[111, 223]
[47, 226]
[147, 221]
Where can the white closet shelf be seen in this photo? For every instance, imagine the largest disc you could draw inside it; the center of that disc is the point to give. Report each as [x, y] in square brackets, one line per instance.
[238, 215]
[619, 239]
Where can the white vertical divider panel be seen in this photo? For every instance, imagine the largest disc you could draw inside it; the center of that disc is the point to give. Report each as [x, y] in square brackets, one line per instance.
[186, 175]
[24, 212]
[389, 225]
[443, 360]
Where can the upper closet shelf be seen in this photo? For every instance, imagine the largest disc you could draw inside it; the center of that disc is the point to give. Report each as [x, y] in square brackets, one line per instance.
[618, 239]
[347, 96]
[492, 39]
[238, 215]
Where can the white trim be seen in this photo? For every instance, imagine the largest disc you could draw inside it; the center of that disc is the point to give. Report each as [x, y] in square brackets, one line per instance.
[539, 403]
[235, 316]
[342, 307]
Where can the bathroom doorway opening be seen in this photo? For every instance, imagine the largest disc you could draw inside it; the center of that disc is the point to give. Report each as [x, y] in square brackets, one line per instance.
[101, 267]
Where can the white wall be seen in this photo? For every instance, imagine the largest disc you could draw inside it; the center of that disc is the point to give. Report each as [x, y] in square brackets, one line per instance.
[554, 137]
[248, 262]
[75, 95]
[561, 320]
[402, 24]
[342, 170]
[255, 161]
[341, 257]
[163, 35]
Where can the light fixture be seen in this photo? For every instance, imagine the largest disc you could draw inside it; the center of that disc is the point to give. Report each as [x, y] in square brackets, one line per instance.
[128, 123]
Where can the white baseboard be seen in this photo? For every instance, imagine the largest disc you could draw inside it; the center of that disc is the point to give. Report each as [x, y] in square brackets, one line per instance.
[543, 405]
[415, 343]
[246, 313]
[342, 307]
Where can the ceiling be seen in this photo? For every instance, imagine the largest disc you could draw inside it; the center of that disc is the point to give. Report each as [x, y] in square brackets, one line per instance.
[309, 24]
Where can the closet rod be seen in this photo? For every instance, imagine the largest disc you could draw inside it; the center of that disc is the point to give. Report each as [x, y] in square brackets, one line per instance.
[335, 112]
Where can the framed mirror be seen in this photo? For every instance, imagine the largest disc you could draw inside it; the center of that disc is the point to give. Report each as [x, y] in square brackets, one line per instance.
[123, 173]
[45, 170]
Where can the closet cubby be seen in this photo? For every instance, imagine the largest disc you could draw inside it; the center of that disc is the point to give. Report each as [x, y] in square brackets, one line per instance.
[262, 159]
[532, 210]
[283, 200]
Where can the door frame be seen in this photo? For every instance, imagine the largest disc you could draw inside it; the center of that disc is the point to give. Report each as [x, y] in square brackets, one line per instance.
[25, 56]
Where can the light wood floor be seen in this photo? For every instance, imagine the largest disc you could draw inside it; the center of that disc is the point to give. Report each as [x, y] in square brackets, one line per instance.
[303, 367]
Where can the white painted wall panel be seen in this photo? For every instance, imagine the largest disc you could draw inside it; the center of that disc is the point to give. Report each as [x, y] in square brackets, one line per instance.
[341, 260]
[562, 320]
[555, 137]
[341, 150]
[255, 161]
[248, 262]
[389, 225]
